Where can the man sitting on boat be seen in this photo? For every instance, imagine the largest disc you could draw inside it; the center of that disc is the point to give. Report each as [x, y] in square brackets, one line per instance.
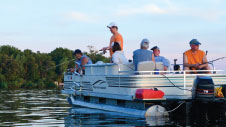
[195, 59]
[118, 56]
[142, 54]
[81, 61]
[159, 58]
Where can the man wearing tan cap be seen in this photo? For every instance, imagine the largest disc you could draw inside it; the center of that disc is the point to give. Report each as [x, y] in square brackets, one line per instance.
[116, 37]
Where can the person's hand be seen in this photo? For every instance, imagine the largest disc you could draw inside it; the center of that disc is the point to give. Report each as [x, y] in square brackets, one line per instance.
[197, 66]
[72, 70]
[200, 66]
[103, 49]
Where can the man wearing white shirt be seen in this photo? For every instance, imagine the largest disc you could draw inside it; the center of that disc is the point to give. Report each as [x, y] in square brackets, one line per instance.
[118, 55]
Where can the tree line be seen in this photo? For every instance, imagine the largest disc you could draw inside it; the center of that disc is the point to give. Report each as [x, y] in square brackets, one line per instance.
[27, 69]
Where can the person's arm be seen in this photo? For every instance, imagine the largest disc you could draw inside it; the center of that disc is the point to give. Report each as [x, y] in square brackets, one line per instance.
[108, 47]
[153, 57]
[185, 62]
[166, 64]
[84, 62]
[133, 57]
[204, 61]
[165, 68]
[105, 48]
[77, 68]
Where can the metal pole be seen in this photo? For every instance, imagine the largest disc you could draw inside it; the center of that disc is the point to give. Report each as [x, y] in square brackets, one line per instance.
[184, 82]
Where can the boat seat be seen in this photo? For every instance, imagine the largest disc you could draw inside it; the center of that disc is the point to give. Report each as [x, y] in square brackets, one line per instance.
[146, 66]
[126, 67]
[159, 65]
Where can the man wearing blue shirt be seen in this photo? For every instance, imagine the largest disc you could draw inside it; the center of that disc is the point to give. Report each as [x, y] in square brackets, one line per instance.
[142, 54]
[81, 60]
[158, 58]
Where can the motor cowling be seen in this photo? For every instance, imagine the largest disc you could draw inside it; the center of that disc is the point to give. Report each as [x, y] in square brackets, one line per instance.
[203, 89]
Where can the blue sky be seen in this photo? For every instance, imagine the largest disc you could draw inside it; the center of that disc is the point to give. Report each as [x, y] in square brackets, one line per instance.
[43, 25]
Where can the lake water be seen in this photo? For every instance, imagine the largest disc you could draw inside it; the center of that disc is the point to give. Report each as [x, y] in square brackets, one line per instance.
[50, 108]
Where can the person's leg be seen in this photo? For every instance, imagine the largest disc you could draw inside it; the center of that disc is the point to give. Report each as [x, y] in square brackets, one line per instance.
[207, 68]
[205, 72]
[186, 69]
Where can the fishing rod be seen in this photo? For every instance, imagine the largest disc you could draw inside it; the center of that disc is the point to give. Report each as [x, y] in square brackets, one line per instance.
[59, 64]
[103, 52]
[69, 61]
[210, 62]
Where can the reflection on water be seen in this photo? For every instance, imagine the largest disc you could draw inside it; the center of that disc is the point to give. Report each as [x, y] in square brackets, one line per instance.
[80, 116]
[32, 107]
[50, 108]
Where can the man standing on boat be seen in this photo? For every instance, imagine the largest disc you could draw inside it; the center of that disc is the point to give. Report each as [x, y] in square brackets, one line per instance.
[159, 58]
[116, 37]
[195, 59]
[81, 61]
[142, 54]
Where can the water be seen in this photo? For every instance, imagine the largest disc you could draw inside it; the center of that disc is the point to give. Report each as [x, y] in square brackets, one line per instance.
[32, 108]
[50, 108]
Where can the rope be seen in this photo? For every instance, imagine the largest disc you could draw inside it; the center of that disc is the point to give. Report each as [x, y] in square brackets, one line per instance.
[174, 108]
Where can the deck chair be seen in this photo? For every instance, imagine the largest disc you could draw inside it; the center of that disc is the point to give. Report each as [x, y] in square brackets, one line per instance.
[146, 66]
[159, 66]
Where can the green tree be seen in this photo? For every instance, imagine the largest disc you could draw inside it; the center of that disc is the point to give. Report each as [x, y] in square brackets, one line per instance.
[95, 55]
[61, 56]
[27, 69]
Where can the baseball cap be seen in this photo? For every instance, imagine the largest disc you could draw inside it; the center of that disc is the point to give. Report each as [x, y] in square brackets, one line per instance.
[77, 51]
[155, 47]
[112, 24]
[145, 43]
[195, 42]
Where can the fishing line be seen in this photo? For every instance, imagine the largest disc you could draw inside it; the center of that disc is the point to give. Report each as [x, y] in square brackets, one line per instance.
[201, 64]
[174, 84]
[59, 64]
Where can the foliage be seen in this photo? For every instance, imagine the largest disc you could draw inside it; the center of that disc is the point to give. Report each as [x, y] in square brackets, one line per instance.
[27, 69]
[95, 56]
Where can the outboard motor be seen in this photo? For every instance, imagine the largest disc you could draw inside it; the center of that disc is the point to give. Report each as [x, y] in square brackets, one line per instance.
[202, 98]
[203, 89]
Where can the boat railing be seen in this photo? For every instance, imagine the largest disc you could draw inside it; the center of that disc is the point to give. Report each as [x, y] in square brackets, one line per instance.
[113, 69]
[212, 64]
[191, 72]
[185, 73]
